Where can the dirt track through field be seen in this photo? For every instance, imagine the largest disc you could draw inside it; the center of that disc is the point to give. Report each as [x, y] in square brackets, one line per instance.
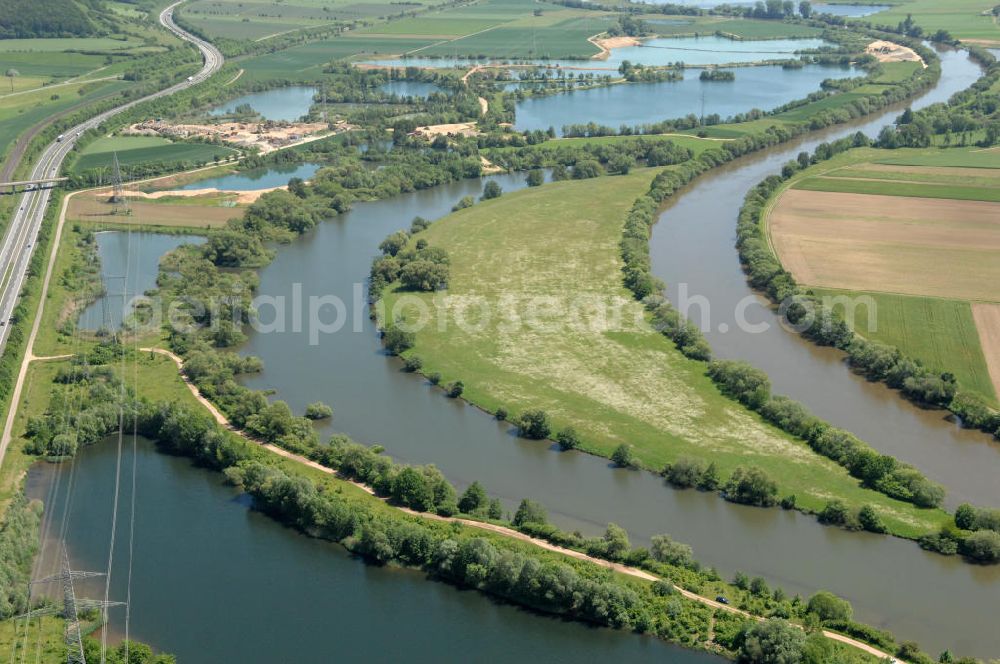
[987, 317]
[917, 246]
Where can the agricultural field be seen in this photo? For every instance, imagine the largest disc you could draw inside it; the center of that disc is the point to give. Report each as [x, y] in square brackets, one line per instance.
[613, 383]
[135, 150]
[916, 230]
[306, 62]
[231, 19]
[968, 20]
[941, 333]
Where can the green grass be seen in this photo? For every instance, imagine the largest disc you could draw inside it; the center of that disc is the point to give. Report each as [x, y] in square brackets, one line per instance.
[940, 333]
[529, 39]
[956, 157]
[43, 645]
[614, 384]
[897, 72]
[134, 150]
[895, 188]
[306, 62]
[752, 29]
[962, 18]
[67, 43]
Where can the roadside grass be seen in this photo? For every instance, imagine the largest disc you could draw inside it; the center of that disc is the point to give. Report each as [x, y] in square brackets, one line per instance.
[940, 333]
[136, 150]
[614, 385]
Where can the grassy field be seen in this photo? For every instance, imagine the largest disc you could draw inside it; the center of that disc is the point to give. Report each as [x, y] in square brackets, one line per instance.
[40, 641]
[965, 19]
[134, 150]
[306, 62]
[940, 333]
[234, 19]
[840, 227]
[614, 384]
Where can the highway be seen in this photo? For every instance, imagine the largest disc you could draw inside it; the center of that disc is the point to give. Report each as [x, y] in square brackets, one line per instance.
[22, 231]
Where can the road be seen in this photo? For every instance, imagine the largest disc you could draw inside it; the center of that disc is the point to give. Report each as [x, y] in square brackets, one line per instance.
[22, 231]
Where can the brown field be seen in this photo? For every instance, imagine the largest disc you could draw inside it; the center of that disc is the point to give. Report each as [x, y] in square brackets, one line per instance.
[915, 246]
[89, 207]
[987, 317]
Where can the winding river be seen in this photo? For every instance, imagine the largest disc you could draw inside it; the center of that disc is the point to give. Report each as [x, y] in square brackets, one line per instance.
[210, 542]
[693, 249]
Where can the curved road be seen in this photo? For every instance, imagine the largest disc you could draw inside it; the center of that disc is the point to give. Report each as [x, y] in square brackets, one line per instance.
[22, 231]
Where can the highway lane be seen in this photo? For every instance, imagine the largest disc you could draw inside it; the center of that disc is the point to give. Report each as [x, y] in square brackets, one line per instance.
[22, 231]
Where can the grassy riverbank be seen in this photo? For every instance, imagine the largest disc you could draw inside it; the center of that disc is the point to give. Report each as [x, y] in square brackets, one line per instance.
[614, 386]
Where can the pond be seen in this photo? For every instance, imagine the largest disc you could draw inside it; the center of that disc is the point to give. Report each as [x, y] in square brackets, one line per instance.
[213, 581]
[764, 87]
[287, 104]
[707, 50]
[257, 178]
[129, 265]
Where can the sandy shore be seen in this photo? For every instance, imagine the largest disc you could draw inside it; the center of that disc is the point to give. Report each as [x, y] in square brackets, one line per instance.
[887, 51]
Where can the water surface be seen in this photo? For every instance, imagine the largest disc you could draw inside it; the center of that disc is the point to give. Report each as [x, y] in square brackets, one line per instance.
[213, 581]
[764, 88]
[409, 88]
[288, 104]
[129, 265]
[257, 178]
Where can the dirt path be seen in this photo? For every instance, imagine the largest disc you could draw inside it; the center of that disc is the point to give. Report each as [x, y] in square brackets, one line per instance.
[234, 78]
[500, 530]
[484, 106]
[609, 43]
[987, 317]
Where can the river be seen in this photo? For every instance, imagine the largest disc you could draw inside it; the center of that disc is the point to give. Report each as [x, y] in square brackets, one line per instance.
[951, 606]
[693, 248]
[213, 581]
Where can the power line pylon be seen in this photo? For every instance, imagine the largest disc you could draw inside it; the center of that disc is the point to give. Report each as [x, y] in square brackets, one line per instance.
[71, 607]
[118, 198]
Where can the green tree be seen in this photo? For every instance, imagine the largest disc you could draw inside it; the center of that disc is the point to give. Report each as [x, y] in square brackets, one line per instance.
[751, 486]
[491, 190]
[829, 607]
[318, 411]
[495, 510]
[616, 544]
[805, 8]
[529, 512]
[623, 457]
[536, 177]
[410, 488]
[870, 520]
[473, 499]
[534, 424]
[773, 641]
[568, 439]
[12, 74]
[397, 340]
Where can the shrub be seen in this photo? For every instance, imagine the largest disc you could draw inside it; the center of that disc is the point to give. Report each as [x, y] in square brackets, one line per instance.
[434, 378]
[741, 381]
[491, 190]
[685, 472]
[536, 178]
[568, 439]
[397, 340]
[534, 424]
[413, 363]
[623, 457]
[834, 513]
[318, 411]
[455, 389]
[827, 606]
[773, 641]
[870, 520]
[751, 486]
[982, 546]
[529, 512]
[501, 414]
[473, 499]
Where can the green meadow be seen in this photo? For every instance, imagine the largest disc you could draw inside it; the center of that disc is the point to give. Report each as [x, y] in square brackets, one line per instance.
[134, 150]
[613, 383]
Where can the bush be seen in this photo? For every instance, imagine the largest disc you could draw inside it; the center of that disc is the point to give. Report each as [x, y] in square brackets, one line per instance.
[835, 513]
[751, 486]
[981, 546]
[529, 512]
[412, 364]
[869, 519]
[828, 607]
[685, 472]
[773, 641]
[464, 202]
[501, 414]
[741, 381]
[534, 424]
[434, 378]
[397, 340]
[455, 389]
[318, 411]
[473, 499]
[568, 439]
[536, 178]
[491, 190]
[623, 457]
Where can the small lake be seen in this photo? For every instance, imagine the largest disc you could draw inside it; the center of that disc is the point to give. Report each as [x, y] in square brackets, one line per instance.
[765, 87]
[213, 581]
[129, 265]
[257, 178]
[409, 88]
[707, 50]
[287, 104]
